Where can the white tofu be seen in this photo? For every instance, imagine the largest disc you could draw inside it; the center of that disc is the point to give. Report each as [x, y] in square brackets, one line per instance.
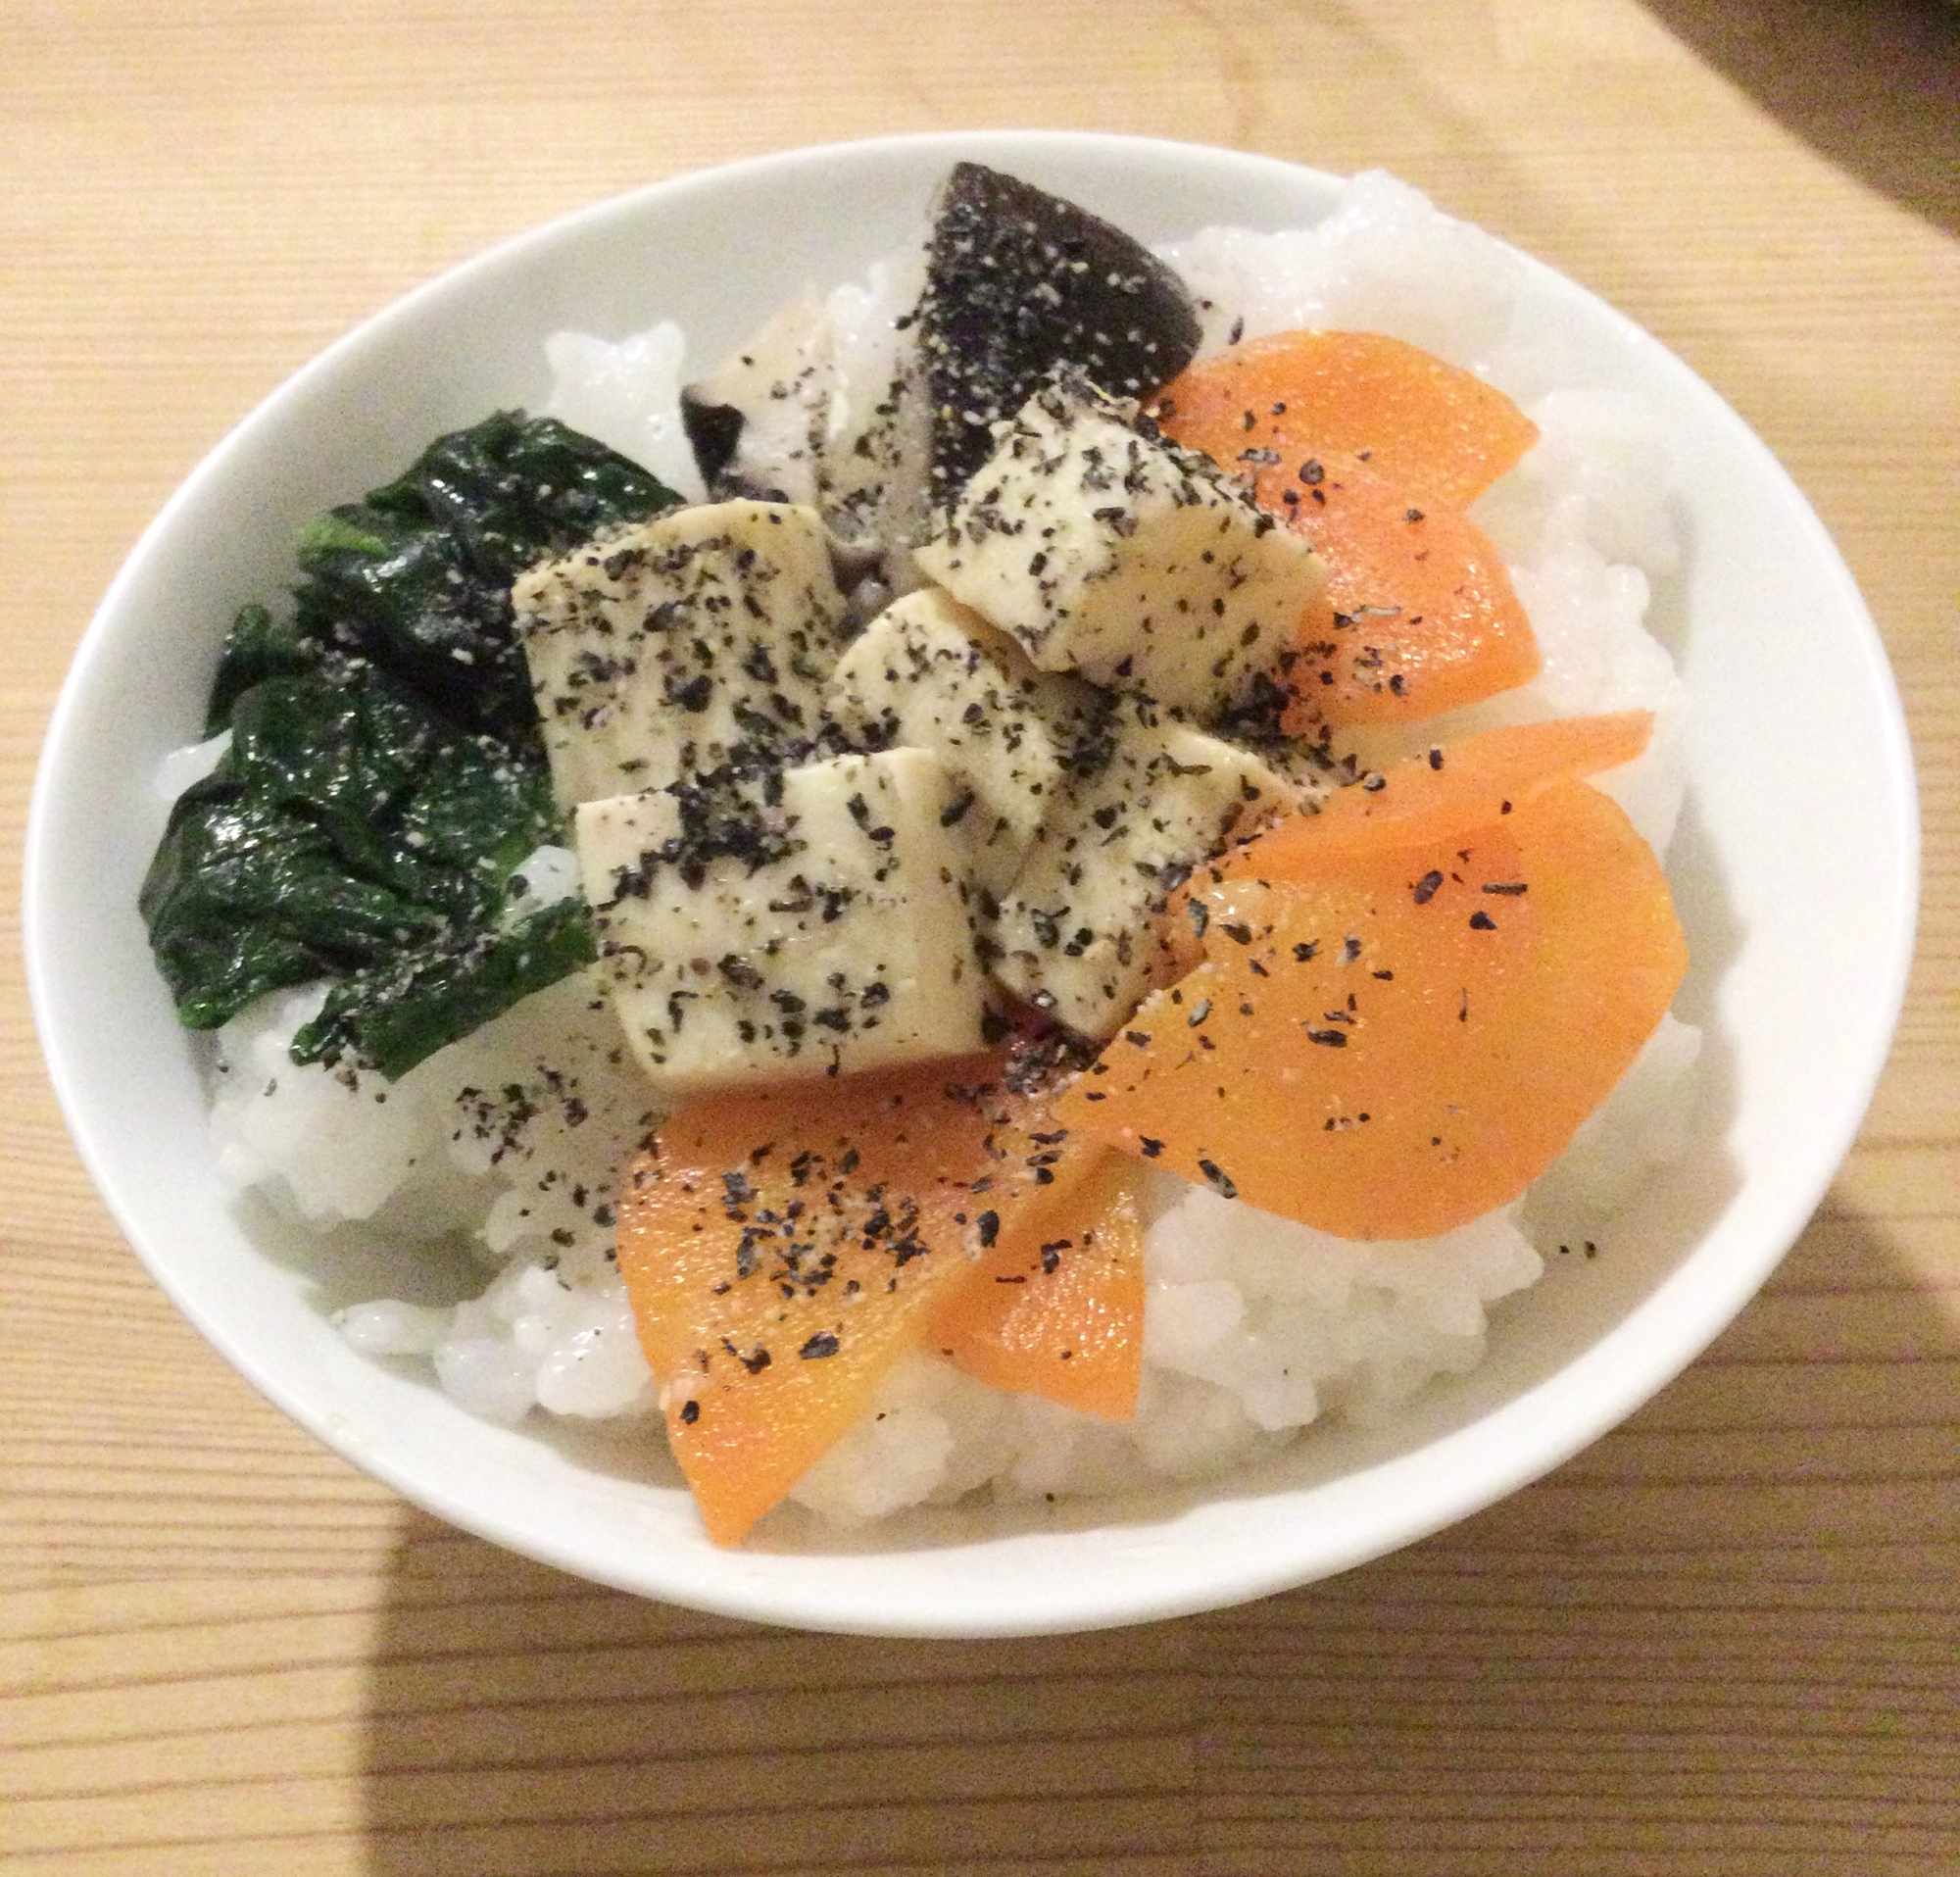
[802, 922]
[1074, 932]
[1119, 556]
[877, 439]
[928, 673]
[677, 645]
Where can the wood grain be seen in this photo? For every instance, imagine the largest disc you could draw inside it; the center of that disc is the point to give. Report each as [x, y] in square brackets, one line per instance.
[1723, 1641]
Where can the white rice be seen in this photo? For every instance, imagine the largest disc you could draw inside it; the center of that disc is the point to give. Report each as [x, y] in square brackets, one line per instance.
[1255, 1327]
[628, 394]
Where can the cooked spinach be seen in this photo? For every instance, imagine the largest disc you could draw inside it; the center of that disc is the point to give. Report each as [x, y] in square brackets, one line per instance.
[385, 774]
[393, 1015]
[417, 577]
[347, 826]
[257, 646]
[246, 895]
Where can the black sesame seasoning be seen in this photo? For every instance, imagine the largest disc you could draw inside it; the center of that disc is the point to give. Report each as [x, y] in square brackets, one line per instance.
[822, 1344]
[1221, 1182]
[1482, 922]
[1424, 890]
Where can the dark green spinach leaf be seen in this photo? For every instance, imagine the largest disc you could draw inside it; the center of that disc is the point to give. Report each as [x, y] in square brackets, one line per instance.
[257, 646]
[417, 577]
[385, 774]
[393, 1015]
[348, 826]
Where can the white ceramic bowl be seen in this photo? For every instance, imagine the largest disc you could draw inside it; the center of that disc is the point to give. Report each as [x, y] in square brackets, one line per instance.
[1797, 879]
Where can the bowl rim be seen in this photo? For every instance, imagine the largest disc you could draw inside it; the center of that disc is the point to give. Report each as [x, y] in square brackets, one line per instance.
[1644, 1364]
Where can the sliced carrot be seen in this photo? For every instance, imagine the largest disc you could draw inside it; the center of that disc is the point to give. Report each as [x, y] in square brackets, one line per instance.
[1439, 433]
[1423, 618]
[781, 1250]
[783, 1247]
[1370, 448]
[1458, 785]
[1408, 1039]
[1058, 1306]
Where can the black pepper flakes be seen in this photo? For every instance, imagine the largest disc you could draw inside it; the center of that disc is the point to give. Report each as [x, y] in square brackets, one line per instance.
[1221, 1182]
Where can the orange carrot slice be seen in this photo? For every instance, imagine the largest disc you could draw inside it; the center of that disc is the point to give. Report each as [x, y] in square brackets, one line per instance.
[1057, 1308]
[783, 1247]
[1458, 785]
[1409, 1039]
[1438, 433]
[1424, 617]
[1370, 448]
[1455, 787]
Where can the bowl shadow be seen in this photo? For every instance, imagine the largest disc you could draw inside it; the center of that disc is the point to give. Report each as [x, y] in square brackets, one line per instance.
[1874, 87]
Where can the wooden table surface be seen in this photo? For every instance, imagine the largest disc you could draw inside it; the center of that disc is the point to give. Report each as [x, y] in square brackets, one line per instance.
[1722, 1641]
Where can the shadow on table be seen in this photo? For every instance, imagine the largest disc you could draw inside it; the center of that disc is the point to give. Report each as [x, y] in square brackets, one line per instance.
[1560, 1684]
[1871, 84]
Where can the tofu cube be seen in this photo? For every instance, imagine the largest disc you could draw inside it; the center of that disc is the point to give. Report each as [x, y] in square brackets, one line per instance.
[1113, 553]
[799, 923]
[928, 673]
[680, 645]
[1073, 935]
